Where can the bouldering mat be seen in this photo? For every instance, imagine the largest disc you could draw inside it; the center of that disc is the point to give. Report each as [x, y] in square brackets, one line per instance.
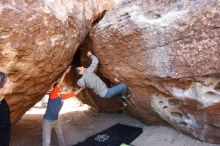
[113, 136]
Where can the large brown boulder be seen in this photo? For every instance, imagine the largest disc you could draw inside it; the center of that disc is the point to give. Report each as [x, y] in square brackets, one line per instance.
[38, 39]
[168, 52]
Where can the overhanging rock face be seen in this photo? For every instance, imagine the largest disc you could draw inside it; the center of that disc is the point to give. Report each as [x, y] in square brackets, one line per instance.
[37, 42]
[168, 52]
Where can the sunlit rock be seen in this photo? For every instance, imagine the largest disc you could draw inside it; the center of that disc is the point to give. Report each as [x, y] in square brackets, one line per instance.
[38, 40]
[168, 54]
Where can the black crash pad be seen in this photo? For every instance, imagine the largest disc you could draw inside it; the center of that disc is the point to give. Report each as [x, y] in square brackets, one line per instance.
[113, 136]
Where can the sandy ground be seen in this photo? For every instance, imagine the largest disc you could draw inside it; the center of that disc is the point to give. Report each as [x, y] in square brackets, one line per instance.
[79, 122]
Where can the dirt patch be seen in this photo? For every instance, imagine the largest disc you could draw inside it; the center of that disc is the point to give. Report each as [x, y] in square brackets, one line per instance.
[79, 122]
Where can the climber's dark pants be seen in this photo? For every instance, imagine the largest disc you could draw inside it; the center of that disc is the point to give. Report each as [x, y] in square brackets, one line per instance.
[5, 124]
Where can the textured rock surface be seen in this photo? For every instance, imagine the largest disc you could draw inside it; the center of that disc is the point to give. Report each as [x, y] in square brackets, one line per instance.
[37, 42]
[166, 51]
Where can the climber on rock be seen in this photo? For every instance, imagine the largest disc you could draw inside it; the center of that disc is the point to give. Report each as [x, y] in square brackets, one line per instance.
[54, 106]
[89, 79]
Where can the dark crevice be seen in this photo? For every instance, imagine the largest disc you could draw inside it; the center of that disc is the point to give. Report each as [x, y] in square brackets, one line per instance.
[211, 94]
[161, 102]
[172, 102]
[76, 59]
[164, 107]
[182, 124]
[215, 27]
[176, 114]
[99, 18]
[217, 87]
[88, 96]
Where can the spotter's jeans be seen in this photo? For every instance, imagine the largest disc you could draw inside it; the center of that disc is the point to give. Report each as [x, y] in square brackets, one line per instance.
[48, 125]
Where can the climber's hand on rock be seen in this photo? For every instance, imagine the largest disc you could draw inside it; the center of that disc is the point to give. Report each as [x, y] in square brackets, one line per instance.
[89, 53]
[79, 90]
